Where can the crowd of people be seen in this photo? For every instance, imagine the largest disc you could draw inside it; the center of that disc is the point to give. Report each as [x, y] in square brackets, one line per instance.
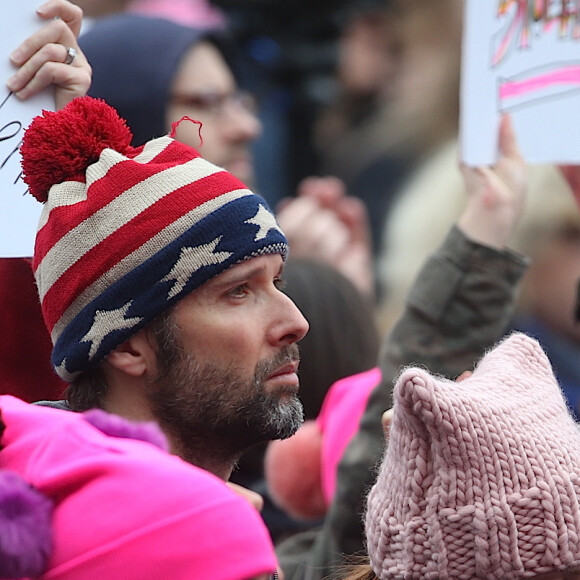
[208, 378]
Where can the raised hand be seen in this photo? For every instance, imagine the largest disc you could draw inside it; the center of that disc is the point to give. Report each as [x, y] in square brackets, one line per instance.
[51, 56]
[496, 194]
[325, 223]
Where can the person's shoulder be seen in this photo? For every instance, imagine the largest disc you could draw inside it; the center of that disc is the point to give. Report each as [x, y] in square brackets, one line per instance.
[62, 404]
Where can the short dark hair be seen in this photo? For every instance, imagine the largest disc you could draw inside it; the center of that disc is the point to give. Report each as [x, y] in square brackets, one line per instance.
[89, 389]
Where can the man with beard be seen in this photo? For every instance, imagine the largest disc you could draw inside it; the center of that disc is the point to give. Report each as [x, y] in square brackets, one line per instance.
[159, 277]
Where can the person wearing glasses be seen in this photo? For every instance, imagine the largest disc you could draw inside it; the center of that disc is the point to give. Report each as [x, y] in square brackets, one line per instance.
[155, 71]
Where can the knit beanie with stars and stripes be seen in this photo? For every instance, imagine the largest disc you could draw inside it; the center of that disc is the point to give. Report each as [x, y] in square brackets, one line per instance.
[481, 478]
[126, 232]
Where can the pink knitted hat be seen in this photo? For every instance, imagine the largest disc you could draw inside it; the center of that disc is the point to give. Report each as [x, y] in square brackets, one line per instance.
[481, 478]
[122, 508]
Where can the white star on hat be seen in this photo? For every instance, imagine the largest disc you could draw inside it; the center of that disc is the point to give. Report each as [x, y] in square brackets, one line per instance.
[265, 222]
[105, 322]
[62, 370]
[192, 259]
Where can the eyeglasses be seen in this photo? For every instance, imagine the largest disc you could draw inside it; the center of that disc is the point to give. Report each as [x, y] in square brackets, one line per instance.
[215, 103]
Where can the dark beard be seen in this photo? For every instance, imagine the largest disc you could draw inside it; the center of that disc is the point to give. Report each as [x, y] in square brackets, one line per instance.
[214, 414]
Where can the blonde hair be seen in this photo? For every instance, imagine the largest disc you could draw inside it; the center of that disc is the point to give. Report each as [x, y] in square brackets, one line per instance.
[433, 200]
[361, 572]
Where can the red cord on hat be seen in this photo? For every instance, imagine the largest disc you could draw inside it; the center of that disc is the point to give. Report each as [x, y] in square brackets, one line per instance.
[176, 124]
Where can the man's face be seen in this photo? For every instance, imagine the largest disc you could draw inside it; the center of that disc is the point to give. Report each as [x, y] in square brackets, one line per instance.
[231, 382]
[205, 90]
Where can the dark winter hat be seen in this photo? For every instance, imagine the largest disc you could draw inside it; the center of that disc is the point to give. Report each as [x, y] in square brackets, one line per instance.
[134, 60]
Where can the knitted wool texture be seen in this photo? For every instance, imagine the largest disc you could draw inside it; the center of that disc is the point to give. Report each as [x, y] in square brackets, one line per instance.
[112, 507]
[130, 231]
[481, 478]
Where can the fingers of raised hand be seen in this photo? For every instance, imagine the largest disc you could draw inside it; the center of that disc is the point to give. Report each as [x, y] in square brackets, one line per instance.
[326, 190]
[386, 421]
[313, 230]
[43, 58]
[70, 13]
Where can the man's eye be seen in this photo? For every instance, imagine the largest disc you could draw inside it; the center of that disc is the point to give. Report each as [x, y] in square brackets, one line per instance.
[239, 291]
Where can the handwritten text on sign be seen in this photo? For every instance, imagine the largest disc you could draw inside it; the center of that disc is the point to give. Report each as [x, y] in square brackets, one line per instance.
[521, 57]
[11, 131]
[19, 212]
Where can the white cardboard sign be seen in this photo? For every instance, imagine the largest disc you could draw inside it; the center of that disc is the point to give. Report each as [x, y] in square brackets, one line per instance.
[521, 57]
[19, 211]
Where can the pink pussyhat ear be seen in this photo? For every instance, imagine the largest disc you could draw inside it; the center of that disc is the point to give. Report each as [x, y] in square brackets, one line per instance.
[25, 528]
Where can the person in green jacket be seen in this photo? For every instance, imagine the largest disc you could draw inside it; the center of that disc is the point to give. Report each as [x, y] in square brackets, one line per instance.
[459, 306]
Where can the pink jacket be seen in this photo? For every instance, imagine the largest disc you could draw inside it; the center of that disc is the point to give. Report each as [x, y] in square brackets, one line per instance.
[125, 508]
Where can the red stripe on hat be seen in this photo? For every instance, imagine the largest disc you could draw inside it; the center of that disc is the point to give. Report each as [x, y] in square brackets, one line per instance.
[110, 251]
[124, 175]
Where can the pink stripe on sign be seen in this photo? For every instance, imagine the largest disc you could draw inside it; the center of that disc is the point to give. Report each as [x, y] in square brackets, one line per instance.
[565, 76]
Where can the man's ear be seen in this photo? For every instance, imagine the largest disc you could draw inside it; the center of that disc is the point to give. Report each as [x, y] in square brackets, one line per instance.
[136, 356]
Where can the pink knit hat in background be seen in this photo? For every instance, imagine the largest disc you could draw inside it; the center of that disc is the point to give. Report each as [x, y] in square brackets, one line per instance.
[120, 508]
[481, 478]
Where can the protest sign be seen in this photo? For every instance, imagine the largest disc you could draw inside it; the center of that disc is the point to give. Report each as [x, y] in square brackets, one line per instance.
[19, 212]
[521, 57]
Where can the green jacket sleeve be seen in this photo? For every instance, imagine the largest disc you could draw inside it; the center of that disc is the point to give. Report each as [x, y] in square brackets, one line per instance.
[459, 306]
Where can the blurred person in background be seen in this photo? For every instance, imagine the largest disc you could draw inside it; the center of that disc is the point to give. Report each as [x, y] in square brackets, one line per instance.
[342, 341]
[164, 71]
[549, 234]
[397, 99]
[460, 304]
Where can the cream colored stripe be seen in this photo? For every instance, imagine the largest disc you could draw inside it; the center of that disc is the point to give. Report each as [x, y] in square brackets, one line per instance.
[153, 148]
[71, 192]
[61, 194]
[104, 222]
[109, 158]
[151, 247]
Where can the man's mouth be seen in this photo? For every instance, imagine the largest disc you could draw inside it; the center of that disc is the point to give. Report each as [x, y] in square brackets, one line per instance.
[286, 375]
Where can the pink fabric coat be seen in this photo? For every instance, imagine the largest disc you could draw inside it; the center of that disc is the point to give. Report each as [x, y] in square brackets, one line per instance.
[125, 508]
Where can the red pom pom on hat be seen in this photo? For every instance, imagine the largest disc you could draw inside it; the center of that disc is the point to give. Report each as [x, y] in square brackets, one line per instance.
[59, 146]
